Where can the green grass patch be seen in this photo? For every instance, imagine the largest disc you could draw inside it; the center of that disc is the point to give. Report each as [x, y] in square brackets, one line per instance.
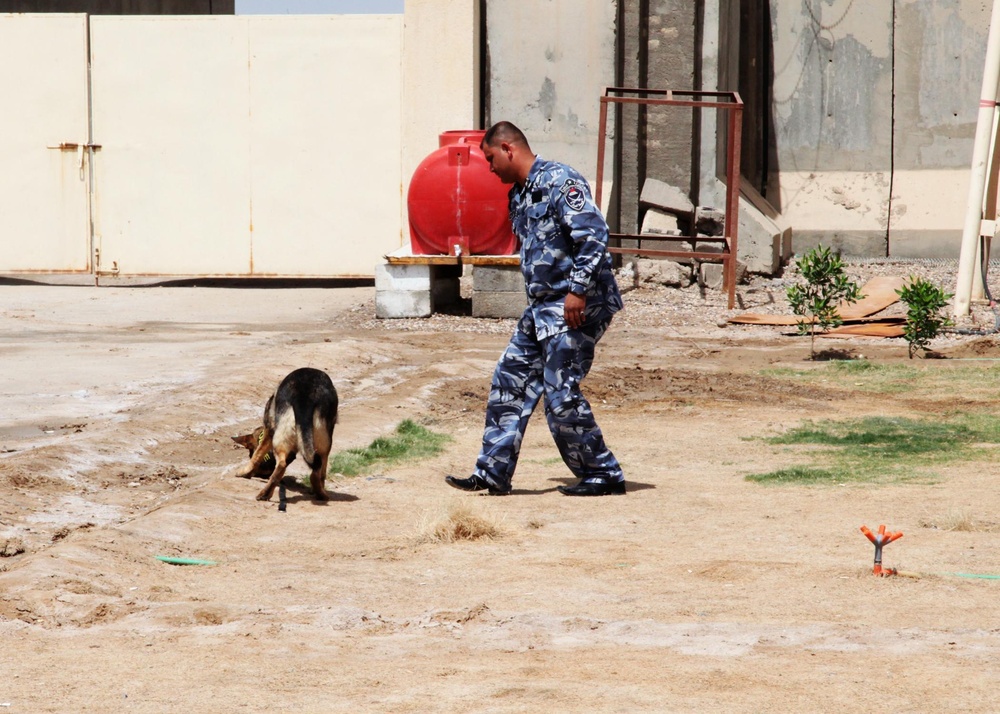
[932, 379]
[883, 449]
[803, 475]
[410, 441]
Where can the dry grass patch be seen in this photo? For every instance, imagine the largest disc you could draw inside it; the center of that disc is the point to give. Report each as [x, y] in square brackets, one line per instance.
[960, 521]
[461, 522]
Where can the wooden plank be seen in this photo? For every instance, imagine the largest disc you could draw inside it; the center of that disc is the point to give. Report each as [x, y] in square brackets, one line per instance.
[452, 260]
[881, 328]
[750, 318]
[879, 293]
[404, 256]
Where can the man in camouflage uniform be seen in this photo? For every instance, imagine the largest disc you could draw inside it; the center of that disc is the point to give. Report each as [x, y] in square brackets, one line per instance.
[572, 296]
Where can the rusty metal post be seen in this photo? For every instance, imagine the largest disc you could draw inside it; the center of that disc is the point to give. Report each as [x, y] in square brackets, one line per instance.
[725, 101]
[600, 150]
[734, 147]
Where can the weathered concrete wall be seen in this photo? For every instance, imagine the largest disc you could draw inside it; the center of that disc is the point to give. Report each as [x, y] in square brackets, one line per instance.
[832, 110]
[869, 128]
[940, 50]
[875, 107]
[549, 63]
[670, 65]
[440, 66]
[657, 50]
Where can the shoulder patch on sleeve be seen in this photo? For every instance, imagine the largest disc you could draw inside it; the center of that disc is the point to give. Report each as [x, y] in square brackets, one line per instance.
[576, 197]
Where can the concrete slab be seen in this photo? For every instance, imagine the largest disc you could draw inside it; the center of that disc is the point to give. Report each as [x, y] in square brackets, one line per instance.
[500, 278]
[498, 304]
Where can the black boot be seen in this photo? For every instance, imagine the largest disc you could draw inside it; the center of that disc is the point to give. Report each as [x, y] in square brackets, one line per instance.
[595, 487]
[475, 483]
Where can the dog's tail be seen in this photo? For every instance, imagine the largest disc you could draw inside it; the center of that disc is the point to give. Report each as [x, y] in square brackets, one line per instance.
[307, 445]
[321, 417]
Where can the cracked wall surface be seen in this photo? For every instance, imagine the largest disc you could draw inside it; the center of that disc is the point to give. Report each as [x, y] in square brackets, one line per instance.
[869, 127]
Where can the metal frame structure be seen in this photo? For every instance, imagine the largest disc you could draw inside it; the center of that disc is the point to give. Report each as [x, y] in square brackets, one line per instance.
[729, 102]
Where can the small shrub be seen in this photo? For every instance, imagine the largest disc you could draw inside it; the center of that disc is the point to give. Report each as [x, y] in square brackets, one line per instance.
[826, 287]
[924, 321]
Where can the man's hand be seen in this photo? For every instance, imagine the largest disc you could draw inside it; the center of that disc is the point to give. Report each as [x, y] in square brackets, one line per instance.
[573, 309]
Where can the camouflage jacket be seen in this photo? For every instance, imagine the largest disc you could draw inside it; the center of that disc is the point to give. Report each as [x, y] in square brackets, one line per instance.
[564, 240]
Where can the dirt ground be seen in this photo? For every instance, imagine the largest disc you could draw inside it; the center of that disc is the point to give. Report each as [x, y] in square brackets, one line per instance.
[698, 591]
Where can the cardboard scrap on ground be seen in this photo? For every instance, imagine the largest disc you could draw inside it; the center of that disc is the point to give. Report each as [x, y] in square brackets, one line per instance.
[888, 327]
[879, 293]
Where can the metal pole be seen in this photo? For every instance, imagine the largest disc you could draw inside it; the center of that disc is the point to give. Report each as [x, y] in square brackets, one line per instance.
[601, 137]
[980, 155]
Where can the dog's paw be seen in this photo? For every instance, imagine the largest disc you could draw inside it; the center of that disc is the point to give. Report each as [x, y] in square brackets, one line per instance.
[237, 472]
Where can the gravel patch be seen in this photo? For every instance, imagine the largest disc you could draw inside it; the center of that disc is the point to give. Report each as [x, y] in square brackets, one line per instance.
[696, 310]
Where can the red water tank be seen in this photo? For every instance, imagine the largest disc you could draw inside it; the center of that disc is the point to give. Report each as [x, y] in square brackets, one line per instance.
[456, 204]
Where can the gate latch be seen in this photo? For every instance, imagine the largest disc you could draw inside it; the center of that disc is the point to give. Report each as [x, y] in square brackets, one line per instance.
[80, 149]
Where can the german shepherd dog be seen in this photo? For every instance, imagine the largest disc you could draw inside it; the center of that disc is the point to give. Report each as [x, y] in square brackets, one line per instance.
[249, 442]
[298, 419]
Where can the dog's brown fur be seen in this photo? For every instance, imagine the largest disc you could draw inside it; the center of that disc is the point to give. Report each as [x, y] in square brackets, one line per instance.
[249, 442]
[298, 419]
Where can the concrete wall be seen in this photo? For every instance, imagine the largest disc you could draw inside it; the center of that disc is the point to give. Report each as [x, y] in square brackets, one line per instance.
[832, 108]
[548, 65]
[874, 107]
[940, 50]
[864, 143]
[657, 49]
[440, 79]
[123, 7]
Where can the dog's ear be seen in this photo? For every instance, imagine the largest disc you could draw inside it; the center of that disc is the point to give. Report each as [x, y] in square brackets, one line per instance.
[247, 441]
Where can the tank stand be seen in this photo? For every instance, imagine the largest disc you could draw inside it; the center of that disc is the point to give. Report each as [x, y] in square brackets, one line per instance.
[881, 539]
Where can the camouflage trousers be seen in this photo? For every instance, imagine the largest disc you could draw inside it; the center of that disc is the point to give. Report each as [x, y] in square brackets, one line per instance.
[553, 368]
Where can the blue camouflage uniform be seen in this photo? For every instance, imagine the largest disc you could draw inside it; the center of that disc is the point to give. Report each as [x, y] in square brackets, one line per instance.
[564, 240]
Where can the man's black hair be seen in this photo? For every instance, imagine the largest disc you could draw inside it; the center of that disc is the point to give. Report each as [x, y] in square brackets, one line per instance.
[503, 131]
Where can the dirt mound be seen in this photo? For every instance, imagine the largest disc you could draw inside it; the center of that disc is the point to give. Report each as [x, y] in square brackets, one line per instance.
[986, 346]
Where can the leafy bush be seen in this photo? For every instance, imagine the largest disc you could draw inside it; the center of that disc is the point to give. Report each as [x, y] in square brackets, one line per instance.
[924, 321]
[826, 287]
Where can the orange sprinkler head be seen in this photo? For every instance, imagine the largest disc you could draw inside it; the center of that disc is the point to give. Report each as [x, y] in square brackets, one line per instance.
[880, 540]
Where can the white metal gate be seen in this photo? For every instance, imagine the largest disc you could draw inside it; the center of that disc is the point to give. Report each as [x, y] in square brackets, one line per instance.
[228, 146]
[44, 162]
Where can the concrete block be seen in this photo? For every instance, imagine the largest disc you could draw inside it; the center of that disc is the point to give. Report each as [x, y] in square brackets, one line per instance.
[498, 303]
[402, 303]
[657, 221]
[708, 248]
[402, 277]
[710, 221]
[760, 240]
[710, 274]
[408, 290]
[662, 272]
[497, 278]
[669, 198]
[765, 239]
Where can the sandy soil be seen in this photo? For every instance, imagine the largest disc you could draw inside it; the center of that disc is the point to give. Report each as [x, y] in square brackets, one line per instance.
[698, 591]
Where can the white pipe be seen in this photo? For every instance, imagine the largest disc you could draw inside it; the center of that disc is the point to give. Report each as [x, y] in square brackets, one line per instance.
[980, 156]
